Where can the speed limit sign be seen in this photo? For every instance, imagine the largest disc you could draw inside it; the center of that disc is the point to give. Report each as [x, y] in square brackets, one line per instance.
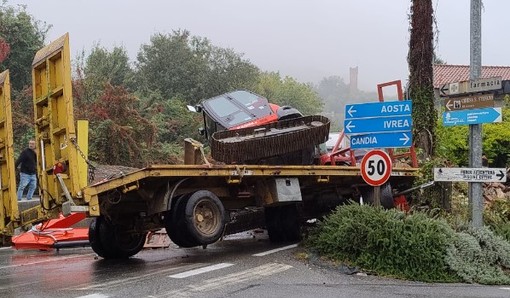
[376, 167]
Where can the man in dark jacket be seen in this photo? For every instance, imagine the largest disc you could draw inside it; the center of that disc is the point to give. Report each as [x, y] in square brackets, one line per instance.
[27, 177]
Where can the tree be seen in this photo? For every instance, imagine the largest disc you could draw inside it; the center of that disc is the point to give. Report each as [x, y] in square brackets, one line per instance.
[420, 58]
[23, 35]
[191, 68]
[120, 134]
[168, 65]
[288, 91]
[101, 68]
[334, 92]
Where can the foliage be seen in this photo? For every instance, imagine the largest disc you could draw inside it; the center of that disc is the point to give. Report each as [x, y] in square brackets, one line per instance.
[24, 35]
[477, 255]
[420, 57]
[103, 67]
[115, 113]
[388, 242]
[173, 123]
[335, 94]
[453, 141]
[23, 117]
[437, 195]
[497, 217]
[288, 91]
[190, 67]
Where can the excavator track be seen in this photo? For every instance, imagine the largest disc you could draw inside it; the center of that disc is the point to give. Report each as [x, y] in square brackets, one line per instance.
[279, 139]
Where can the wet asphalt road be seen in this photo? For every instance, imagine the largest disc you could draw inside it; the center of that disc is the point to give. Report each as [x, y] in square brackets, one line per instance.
[246, 265]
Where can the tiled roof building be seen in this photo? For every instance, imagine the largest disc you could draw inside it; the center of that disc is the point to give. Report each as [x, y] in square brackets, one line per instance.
[445, 73]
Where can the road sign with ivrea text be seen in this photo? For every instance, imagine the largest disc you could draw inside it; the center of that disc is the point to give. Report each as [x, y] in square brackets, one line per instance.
[382, 124]
[379, 124]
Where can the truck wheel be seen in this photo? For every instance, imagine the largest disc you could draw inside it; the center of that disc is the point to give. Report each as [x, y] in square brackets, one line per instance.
[175, 224]
[94, 239]
[204, 216]
[128, 244]
[111, 243]
[386, 195]
[273, 225]
[283, 224]
[291, 223]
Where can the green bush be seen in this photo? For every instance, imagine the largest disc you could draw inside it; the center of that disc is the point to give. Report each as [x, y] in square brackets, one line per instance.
[497, 217]
[477, 255]
[387, 242]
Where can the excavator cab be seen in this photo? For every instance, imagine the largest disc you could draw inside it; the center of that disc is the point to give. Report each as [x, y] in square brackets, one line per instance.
[244, 127]
[240, 109]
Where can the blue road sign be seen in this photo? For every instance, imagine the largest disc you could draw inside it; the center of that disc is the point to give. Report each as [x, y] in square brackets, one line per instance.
[475, 116]
[378, 109]
[382, 140]
[381, 124]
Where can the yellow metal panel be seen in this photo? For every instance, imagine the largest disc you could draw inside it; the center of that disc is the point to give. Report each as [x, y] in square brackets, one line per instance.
[83, 143]
[53, 112]
[8, 200]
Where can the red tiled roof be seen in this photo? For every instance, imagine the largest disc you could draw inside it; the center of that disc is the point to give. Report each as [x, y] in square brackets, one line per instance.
[444, 73]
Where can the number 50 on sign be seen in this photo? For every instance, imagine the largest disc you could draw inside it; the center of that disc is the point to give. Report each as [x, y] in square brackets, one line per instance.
[376, 167]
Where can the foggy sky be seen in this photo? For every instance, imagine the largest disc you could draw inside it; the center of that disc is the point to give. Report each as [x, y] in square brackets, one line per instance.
[307, 40]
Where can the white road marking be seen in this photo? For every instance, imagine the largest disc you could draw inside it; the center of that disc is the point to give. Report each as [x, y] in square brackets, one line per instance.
[93, 296]
[134, 278]
[201, 270]
[505, 289]
[58, 259]
[229, 280]
[275, 250]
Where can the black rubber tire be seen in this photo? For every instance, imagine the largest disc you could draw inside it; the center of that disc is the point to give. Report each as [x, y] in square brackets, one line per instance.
[283, 224]
[94, 238]
[273, 225]
[175, 224]
[110, 243]
[204, 217]
[291, 224]
[386, 195]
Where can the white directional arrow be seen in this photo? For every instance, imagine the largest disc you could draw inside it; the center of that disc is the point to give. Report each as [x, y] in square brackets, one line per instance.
[449, 105]
[349, 126]
[405, 138]
[351, 111]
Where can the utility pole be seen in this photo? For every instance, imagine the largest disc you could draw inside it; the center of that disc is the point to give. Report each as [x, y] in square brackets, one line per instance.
[475, 130]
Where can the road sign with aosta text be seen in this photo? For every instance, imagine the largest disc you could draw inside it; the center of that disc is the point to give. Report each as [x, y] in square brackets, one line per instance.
[376, 167]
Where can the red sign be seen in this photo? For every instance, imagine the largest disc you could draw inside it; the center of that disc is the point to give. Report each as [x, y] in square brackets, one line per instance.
[376, 167]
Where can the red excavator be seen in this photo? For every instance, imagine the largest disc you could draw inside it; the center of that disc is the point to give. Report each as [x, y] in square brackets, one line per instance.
[243, 127]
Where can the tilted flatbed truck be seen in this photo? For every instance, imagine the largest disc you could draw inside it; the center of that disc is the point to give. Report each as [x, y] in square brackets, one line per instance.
[196, 202]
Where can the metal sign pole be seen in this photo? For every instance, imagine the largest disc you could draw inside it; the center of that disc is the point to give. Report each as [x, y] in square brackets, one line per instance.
[475, 130]
[377, 196]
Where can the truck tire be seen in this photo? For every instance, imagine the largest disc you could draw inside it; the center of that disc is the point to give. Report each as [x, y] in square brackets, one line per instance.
[94, 239]
[204, 217]
[283, 224]
[175, 224]
[386, 195]
[273, 226]
[111, 243]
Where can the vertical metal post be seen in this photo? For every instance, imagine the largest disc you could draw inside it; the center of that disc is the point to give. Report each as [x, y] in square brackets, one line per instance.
[475, 131]
[377, 196]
